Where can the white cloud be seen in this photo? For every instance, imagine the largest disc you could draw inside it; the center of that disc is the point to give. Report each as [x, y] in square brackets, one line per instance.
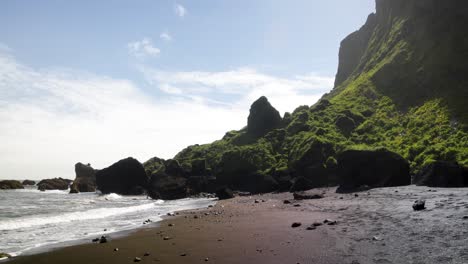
[49, 120]
[165, 36]
[143, 48]
[246, 84]
[180, 10]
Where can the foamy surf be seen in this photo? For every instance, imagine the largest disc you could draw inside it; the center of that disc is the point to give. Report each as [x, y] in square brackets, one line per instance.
[32, 220]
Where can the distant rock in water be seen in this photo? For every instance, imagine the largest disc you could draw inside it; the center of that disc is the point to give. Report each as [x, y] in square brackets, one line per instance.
[374, 168]
[54, 184]
[85, 180]
[127, 177]
[442, 174]
[10, 185]
[29, 182]
[262, 118]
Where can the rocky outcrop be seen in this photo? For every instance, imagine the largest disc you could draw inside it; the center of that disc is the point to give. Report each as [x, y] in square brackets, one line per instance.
[262, 118]
[54, 184]
[373, 168]
[127, 177]
[85, 180]
[167, 187]
[10, 185]
[442, 174]
[29, 182]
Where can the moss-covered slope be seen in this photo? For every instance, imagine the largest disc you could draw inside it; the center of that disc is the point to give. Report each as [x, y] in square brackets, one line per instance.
[401, 84]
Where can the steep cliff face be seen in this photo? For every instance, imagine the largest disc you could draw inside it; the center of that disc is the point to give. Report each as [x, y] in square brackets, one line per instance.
[412, 51]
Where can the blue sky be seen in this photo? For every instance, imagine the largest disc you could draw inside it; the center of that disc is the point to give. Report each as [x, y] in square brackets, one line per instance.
[96, 81]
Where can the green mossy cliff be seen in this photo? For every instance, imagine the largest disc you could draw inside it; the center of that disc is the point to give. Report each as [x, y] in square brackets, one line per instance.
[401, 85]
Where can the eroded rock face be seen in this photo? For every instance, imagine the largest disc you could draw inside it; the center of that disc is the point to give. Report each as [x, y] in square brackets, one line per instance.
[262, 118]
[54, 184]
[442, 174]
[127, 177]
[373, 168]
[10, 185]
[85, 180]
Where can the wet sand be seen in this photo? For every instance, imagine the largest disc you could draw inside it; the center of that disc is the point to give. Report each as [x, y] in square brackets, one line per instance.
[378, 226]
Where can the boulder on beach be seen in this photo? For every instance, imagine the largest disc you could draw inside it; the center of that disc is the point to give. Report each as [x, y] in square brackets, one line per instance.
[29, 182]
[85, 180]
[224, 193]
[127, 177]
[167, 187]
[54, 184]
[442, 174]
[10, 185]
[374, 168]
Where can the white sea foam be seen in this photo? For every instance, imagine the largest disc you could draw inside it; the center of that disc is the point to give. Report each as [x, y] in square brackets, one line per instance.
[74, 216]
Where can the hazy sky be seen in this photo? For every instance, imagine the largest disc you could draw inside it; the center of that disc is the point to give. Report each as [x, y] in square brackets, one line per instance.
[98, 81]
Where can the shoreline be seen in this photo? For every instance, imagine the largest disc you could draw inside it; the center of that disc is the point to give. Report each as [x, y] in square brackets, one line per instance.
[375, 226]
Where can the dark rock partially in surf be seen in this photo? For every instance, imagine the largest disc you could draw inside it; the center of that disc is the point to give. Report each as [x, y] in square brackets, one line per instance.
[85, 180]
[29, 182]
[54, 184]
[127, 177]
[167, 187]
[442, 174]
[10, 185]
[374, 168]
[224, 193]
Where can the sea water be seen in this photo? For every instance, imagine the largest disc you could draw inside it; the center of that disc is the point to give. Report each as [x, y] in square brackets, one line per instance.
[31, 220]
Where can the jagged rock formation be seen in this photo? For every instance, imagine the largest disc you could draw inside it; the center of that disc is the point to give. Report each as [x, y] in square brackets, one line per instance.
[10, 185]
[54, 184]
[127, 177]
[262, 118]
[85, 180]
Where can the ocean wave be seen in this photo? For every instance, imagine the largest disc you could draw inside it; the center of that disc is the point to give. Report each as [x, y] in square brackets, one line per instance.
[74, 216]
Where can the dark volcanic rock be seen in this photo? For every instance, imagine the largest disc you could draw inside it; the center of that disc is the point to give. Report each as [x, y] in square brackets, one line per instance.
[54, 184]
[262, 118]
[199, 167]
[29, 182]
[127, 177]
[306, 196]
[345, 124]
[167, 187]
[224, 193]
[296, 224]
[419, 205]
[442, 174]
[10, 185]
[375, 168]
[85, 180]
[173, 168]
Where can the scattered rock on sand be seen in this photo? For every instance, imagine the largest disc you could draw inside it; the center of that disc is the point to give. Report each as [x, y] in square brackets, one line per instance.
[465, 217]
[206, 259]
[136, 259]
[305, 196]
[183, 254]
[116, 249]
[103, 239]
[146, 254]
[95, 240]
[286, 202]
[330, 222]
[419, 205]
[166, 238]
[317, 224]
[4, 255]
[312, 227]
[296, 224]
